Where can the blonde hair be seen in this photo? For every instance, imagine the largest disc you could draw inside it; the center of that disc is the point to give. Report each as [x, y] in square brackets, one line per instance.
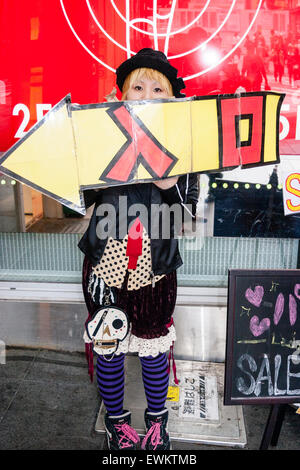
[150, 74]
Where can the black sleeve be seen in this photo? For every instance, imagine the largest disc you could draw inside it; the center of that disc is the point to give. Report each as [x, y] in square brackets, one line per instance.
[186, 192]
[90, 197]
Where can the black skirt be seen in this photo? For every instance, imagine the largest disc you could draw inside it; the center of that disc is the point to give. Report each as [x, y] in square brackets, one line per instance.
[149, 309]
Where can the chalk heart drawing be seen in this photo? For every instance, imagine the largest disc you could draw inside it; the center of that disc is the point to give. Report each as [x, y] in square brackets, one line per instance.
[255, 296]
[257, 327]
[151, 26]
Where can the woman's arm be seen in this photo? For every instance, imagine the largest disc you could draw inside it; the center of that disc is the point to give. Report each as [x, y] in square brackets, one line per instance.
[184, 191]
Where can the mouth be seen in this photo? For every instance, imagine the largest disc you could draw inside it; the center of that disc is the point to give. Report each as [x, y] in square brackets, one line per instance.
[105, 344]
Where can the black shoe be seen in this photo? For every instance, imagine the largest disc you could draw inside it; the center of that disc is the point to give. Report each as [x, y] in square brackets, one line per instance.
[120, 435]
[157, 437]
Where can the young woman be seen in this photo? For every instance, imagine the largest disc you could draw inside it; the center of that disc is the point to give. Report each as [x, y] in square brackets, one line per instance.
[138, 271]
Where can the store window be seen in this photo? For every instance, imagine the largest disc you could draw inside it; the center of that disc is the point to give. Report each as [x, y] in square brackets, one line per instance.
[219, 48]
[239, 224]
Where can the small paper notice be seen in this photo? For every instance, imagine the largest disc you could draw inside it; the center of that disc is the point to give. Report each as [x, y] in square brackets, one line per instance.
[198, 396]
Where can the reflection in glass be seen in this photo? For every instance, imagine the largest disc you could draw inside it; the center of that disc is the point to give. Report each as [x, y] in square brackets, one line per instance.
[244, 209]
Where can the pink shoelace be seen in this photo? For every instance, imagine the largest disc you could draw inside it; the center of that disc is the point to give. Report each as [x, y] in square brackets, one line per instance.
[154, 435]
[128, 436]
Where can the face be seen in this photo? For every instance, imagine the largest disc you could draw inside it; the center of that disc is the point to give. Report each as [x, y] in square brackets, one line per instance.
[146, 89]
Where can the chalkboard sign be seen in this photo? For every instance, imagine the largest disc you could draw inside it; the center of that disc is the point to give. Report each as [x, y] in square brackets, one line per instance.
[262, 361]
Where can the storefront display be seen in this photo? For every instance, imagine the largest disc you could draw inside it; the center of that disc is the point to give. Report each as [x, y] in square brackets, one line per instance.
[51, 49]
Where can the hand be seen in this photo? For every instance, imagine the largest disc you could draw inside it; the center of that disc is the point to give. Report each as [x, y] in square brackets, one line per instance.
[167, 183]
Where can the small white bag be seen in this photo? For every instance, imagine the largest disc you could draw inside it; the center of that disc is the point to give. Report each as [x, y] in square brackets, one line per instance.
[108, 327]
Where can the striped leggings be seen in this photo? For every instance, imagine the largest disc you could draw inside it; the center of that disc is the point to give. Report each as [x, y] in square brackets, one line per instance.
[110, 379]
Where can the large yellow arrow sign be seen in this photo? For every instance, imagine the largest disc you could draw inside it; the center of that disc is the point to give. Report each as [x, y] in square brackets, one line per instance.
[75, 147]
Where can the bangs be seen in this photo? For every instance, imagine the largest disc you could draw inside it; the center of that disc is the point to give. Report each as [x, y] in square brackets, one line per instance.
[150, 74]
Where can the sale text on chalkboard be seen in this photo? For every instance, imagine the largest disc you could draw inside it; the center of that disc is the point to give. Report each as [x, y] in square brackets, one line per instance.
[263, 337]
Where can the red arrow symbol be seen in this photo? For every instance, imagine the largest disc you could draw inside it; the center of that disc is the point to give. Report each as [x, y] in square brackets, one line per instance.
[141, 147]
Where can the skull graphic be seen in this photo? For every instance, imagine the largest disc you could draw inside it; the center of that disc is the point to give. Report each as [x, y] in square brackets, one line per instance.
[107, 328]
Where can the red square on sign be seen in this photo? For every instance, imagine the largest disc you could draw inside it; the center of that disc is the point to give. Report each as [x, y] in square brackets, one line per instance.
[236, 150]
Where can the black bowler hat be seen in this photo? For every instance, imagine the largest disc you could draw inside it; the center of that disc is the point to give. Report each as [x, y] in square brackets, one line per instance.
[151, 59]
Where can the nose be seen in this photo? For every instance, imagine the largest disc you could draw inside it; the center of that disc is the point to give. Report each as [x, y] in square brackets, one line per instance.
[106, 331]
[147, 95]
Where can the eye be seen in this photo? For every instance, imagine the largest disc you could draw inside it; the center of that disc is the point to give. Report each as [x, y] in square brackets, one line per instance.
[157, 90]
[117, 324]
[138, 87]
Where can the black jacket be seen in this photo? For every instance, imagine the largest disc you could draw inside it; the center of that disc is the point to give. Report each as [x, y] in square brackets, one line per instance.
[125, 201]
